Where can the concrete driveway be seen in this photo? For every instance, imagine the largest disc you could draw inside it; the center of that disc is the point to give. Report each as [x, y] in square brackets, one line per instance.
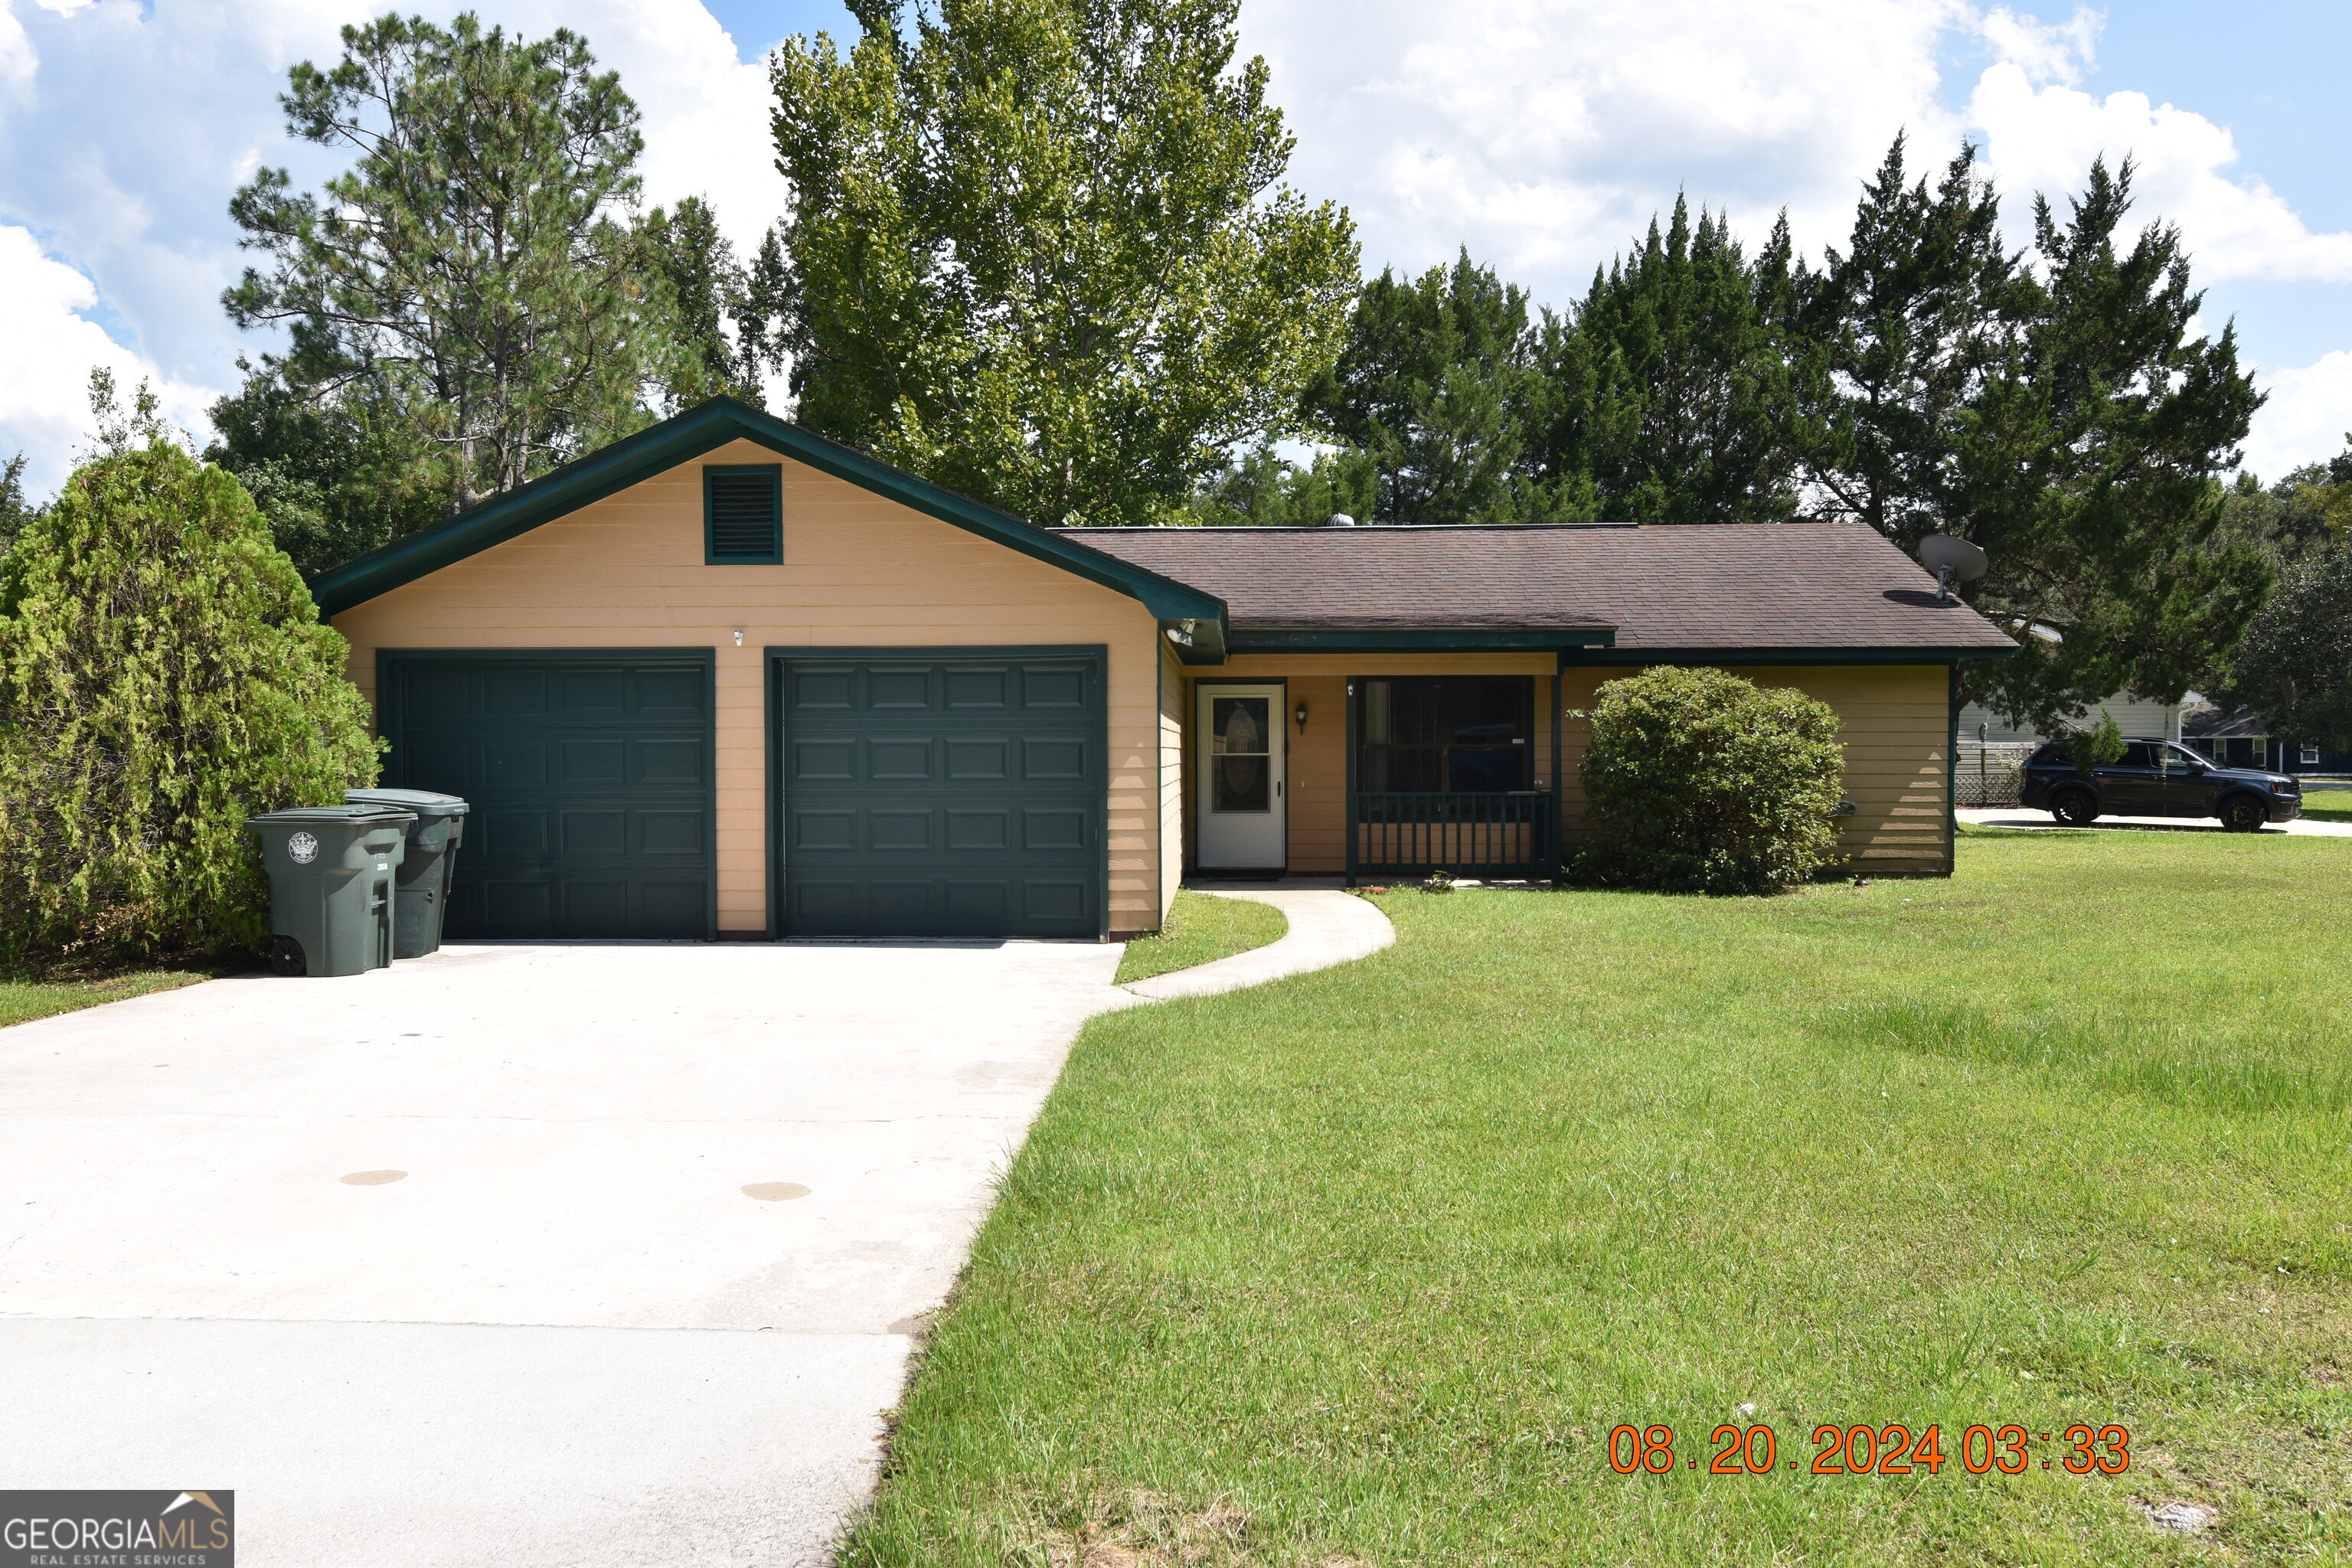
[565, 1333]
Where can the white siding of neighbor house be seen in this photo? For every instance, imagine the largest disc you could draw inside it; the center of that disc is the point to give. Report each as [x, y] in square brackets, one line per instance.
[2135, 717]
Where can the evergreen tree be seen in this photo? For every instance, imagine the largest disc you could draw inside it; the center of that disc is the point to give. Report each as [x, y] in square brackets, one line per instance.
[335, 475]
[1038, 253]
[1896, 335]
[1435, 388]
[1672, 387]
[2294, 666]
[2090, 474]
[14, 510]
[1260, 487]
[164, 676]
[471, 279]
[725, 314]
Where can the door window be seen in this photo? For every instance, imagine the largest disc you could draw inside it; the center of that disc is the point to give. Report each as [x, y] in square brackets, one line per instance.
[1241, 761]
[1445, 733]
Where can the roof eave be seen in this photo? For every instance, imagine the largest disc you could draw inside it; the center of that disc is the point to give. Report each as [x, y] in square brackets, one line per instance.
[1418, 639]
[1750, 654]
[704, 428]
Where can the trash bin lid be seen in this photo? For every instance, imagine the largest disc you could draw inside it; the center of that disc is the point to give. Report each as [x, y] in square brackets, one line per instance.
[351, 815]
[423, 802]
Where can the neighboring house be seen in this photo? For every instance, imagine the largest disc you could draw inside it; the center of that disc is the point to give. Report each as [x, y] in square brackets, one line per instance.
[2133, 715]
[2242, 738]
[726, 678]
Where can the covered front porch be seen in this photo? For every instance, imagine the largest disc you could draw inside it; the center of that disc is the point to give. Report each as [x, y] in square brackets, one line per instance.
[1373, 767]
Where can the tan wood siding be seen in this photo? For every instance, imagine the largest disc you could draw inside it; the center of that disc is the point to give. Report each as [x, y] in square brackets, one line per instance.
[859, 572]
[1896, 724]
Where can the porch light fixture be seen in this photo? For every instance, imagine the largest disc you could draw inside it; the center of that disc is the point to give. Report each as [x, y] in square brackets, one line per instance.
[1299, 714]
[1180, 633]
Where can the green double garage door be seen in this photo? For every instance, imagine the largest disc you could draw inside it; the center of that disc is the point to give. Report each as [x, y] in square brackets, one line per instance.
[911, 795]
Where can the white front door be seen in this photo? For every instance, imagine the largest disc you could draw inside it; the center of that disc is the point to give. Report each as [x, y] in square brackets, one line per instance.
[1243, 813]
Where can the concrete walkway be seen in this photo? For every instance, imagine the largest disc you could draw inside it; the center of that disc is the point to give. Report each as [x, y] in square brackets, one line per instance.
[2018, 817]
[526, 1256]
[1327, 928]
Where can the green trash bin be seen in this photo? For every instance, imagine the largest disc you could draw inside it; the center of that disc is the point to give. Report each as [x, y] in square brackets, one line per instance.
[330, 872]
[420, 889]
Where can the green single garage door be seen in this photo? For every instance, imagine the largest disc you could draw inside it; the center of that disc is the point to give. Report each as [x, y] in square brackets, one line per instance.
[589, 778]
[941, 796]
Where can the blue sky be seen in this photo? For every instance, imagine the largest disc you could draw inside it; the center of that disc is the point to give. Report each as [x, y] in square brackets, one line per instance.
[1541, 134]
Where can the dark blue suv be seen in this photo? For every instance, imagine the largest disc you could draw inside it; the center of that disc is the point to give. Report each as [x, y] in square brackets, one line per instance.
[2157, 778]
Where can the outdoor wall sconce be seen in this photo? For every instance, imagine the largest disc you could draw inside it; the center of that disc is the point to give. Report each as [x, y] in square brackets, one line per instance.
[1300, 715]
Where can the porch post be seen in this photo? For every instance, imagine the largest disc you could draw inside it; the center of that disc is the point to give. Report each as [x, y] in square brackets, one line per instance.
[1558, 789]
[1353, 831]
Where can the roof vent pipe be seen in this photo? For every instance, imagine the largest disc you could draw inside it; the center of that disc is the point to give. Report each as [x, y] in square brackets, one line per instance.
[1338, 520]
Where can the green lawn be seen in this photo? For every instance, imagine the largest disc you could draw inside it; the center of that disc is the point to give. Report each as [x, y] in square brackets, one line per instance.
[1365, 1266]
[22, 1000]
[1201, 928]
[2336, 805]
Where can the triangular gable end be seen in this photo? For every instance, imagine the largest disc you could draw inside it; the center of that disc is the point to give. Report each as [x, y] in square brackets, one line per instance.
[705, 428]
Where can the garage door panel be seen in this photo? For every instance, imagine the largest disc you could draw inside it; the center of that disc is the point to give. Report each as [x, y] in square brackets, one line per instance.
[941, 796]
[902, 761]
[589, 781]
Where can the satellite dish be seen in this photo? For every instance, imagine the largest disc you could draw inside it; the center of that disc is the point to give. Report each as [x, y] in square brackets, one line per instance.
[1952, 561]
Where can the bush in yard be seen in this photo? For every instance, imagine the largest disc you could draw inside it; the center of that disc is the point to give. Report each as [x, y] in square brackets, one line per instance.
[163, 676]
[1697, 781]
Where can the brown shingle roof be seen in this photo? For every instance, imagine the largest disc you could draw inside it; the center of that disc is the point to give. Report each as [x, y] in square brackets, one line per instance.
[1737, 585]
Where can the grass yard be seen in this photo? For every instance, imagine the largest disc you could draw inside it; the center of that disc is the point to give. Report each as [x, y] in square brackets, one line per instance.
[24, 1000]
[1201, 928]
[1363, 1268]
[2336, 805]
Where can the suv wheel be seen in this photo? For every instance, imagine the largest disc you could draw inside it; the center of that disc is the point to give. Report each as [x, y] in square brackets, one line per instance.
[2244, 813]
[2075, 808]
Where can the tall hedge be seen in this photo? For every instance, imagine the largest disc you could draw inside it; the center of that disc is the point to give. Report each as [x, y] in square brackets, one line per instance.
[1698, 780]
[162, 675]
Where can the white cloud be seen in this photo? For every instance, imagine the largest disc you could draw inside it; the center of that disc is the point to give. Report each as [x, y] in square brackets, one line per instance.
[1544, 133]
[125, 127]
[2059, 53]
[46, 358]
[2044, 137]
[2306, 418]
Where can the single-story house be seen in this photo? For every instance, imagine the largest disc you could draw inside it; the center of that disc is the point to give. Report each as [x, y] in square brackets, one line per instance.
[2242, 738]
[726, 678]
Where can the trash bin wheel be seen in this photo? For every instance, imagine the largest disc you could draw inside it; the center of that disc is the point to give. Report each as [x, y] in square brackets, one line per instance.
[286, 957]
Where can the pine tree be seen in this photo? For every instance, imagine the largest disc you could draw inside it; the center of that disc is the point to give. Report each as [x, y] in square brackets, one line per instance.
[164, 676]
[472, 276]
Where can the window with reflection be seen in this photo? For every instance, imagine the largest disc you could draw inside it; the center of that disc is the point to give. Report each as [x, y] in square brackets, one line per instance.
[1449, 733]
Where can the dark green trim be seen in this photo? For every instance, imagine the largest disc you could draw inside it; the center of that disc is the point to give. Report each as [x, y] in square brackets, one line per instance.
[1558, 788]
[1349, 806]
[1952, 777]
[775, 474]
[388, 660]
[774, 659]
[1374, 640]
[704, 428]
[1619, 656]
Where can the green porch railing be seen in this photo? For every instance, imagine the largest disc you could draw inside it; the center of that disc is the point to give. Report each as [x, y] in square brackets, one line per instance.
[1470, 832]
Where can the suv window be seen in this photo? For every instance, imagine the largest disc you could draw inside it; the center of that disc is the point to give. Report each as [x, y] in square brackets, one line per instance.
[2180, 759]
[2048, 756]
[2136, 754]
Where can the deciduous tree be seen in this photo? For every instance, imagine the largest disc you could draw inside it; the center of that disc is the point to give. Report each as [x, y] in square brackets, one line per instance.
[1039, 251]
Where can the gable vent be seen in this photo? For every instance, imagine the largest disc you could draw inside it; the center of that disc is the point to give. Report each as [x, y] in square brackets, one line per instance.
[742, 516]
